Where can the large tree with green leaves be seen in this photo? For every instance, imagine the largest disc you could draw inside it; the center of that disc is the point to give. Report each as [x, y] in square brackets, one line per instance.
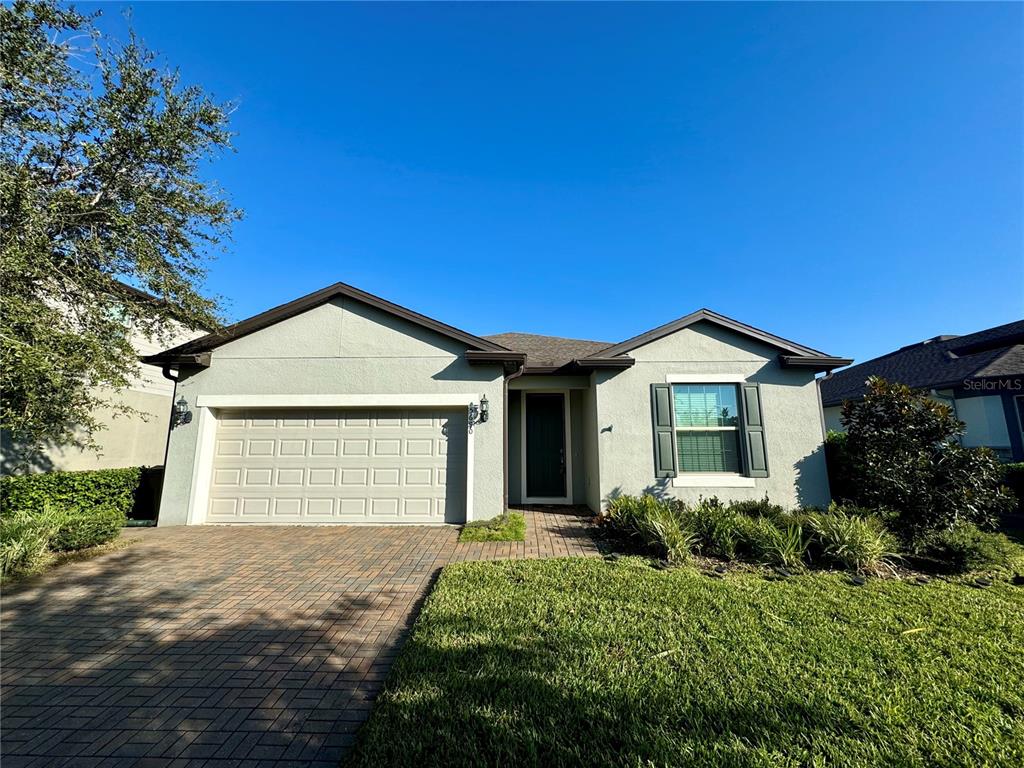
[902, 453]
[102, 184]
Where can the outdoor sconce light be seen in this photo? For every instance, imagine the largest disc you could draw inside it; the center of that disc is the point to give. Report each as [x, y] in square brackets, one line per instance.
[478, 413]
[181, 414]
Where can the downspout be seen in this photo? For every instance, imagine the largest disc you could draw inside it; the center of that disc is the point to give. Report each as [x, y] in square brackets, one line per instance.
[504, 431]
[165, 370]
[821, 406]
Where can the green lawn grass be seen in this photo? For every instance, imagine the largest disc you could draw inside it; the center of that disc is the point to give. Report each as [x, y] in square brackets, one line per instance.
[508, 527]
[586, 662]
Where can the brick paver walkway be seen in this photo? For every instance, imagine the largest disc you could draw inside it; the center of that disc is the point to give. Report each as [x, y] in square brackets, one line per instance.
[217, 646]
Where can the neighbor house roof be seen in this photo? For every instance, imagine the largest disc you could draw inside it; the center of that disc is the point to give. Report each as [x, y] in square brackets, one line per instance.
[535, 352]
[939, 362]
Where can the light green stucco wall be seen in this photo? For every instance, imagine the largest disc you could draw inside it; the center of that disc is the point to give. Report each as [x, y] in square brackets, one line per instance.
[789, 402]
[342, 347]
[125, 441]
[591, 463]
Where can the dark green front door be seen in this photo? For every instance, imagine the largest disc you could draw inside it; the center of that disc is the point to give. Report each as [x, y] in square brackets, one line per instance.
[545, 445]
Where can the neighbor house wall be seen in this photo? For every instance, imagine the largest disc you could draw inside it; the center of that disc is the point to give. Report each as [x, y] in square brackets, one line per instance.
[990, 420]
[789, 401]
[123, 440]
[833, 418]
[342, 347]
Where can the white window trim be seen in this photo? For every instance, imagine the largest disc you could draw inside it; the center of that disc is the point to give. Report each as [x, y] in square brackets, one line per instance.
[713, 480]
[567, 499]
[207, 422]
[705, 378]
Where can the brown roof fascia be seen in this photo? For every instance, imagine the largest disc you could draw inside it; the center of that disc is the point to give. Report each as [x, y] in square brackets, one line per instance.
[494, 356]
[304, 303]
[817, 363]
[620, 362]
[199, 360]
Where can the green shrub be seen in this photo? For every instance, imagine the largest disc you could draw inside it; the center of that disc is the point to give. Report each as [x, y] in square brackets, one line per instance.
[757, 507]
[101, 488]
[853, 541]
[79, 529]
[773, 544]
[837, 464]
[967, 548]
[24, 540]
[717, 528]
[1013, 478]
[661, 526]
[902, 453]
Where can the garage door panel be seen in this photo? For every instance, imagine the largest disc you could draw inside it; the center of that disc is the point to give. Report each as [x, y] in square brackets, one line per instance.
[352, 510]
[340, 466]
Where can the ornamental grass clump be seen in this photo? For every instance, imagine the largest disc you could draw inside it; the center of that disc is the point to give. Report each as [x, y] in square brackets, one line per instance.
[25, 540]
[660, 526]
[771, 543]
[718, 528]
[30, 537]
[857, 542]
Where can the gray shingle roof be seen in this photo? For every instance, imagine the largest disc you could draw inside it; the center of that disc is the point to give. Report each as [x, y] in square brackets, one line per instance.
[543, 351]
[940, 362]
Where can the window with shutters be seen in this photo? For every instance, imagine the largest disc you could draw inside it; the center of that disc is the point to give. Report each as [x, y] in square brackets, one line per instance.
[707, 424]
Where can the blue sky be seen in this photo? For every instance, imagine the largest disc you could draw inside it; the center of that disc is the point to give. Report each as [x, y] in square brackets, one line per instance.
[845, 175]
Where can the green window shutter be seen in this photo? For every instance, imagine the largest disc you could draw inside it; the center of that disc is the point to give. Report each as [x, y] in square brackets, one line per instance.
[664, 431]
[755, 448]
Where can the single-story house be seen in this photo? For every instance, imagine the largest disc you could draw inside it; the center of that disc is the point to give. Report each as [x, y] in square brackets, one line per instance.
[342, 407]
[981, 376]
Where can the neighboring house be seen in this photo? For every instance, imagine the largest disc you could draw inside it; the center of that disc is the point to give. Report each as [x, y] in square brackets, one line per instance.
[125, 441]
[980, 375]
[341, 407]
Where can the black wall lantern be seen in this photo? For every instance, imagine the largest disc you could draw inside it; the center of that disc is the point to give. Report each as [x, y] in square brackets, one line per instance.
[180, 414]
[478, 413]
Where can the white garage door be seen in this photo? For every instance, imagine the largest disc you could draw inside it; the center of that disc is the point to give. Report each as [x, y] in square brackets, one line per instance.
[339, 466]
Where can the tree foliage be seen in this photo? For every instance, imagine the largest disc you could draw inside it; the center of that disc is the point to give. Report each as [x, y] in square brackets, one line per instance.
[902, 454]
[101, 185]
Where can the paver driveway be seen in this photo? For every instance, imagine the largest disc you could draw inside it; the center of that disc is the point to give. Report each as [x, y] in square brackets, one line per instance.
[224, 646]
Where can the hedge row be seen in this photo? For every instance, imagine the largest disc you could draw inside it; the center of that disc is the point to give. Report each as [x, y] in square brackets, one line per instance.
[131, 491]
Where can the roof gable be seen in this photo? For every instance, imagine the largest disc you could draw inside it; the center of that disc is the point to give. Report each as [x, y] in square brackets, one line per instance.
[198, 347]
[706, 315]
